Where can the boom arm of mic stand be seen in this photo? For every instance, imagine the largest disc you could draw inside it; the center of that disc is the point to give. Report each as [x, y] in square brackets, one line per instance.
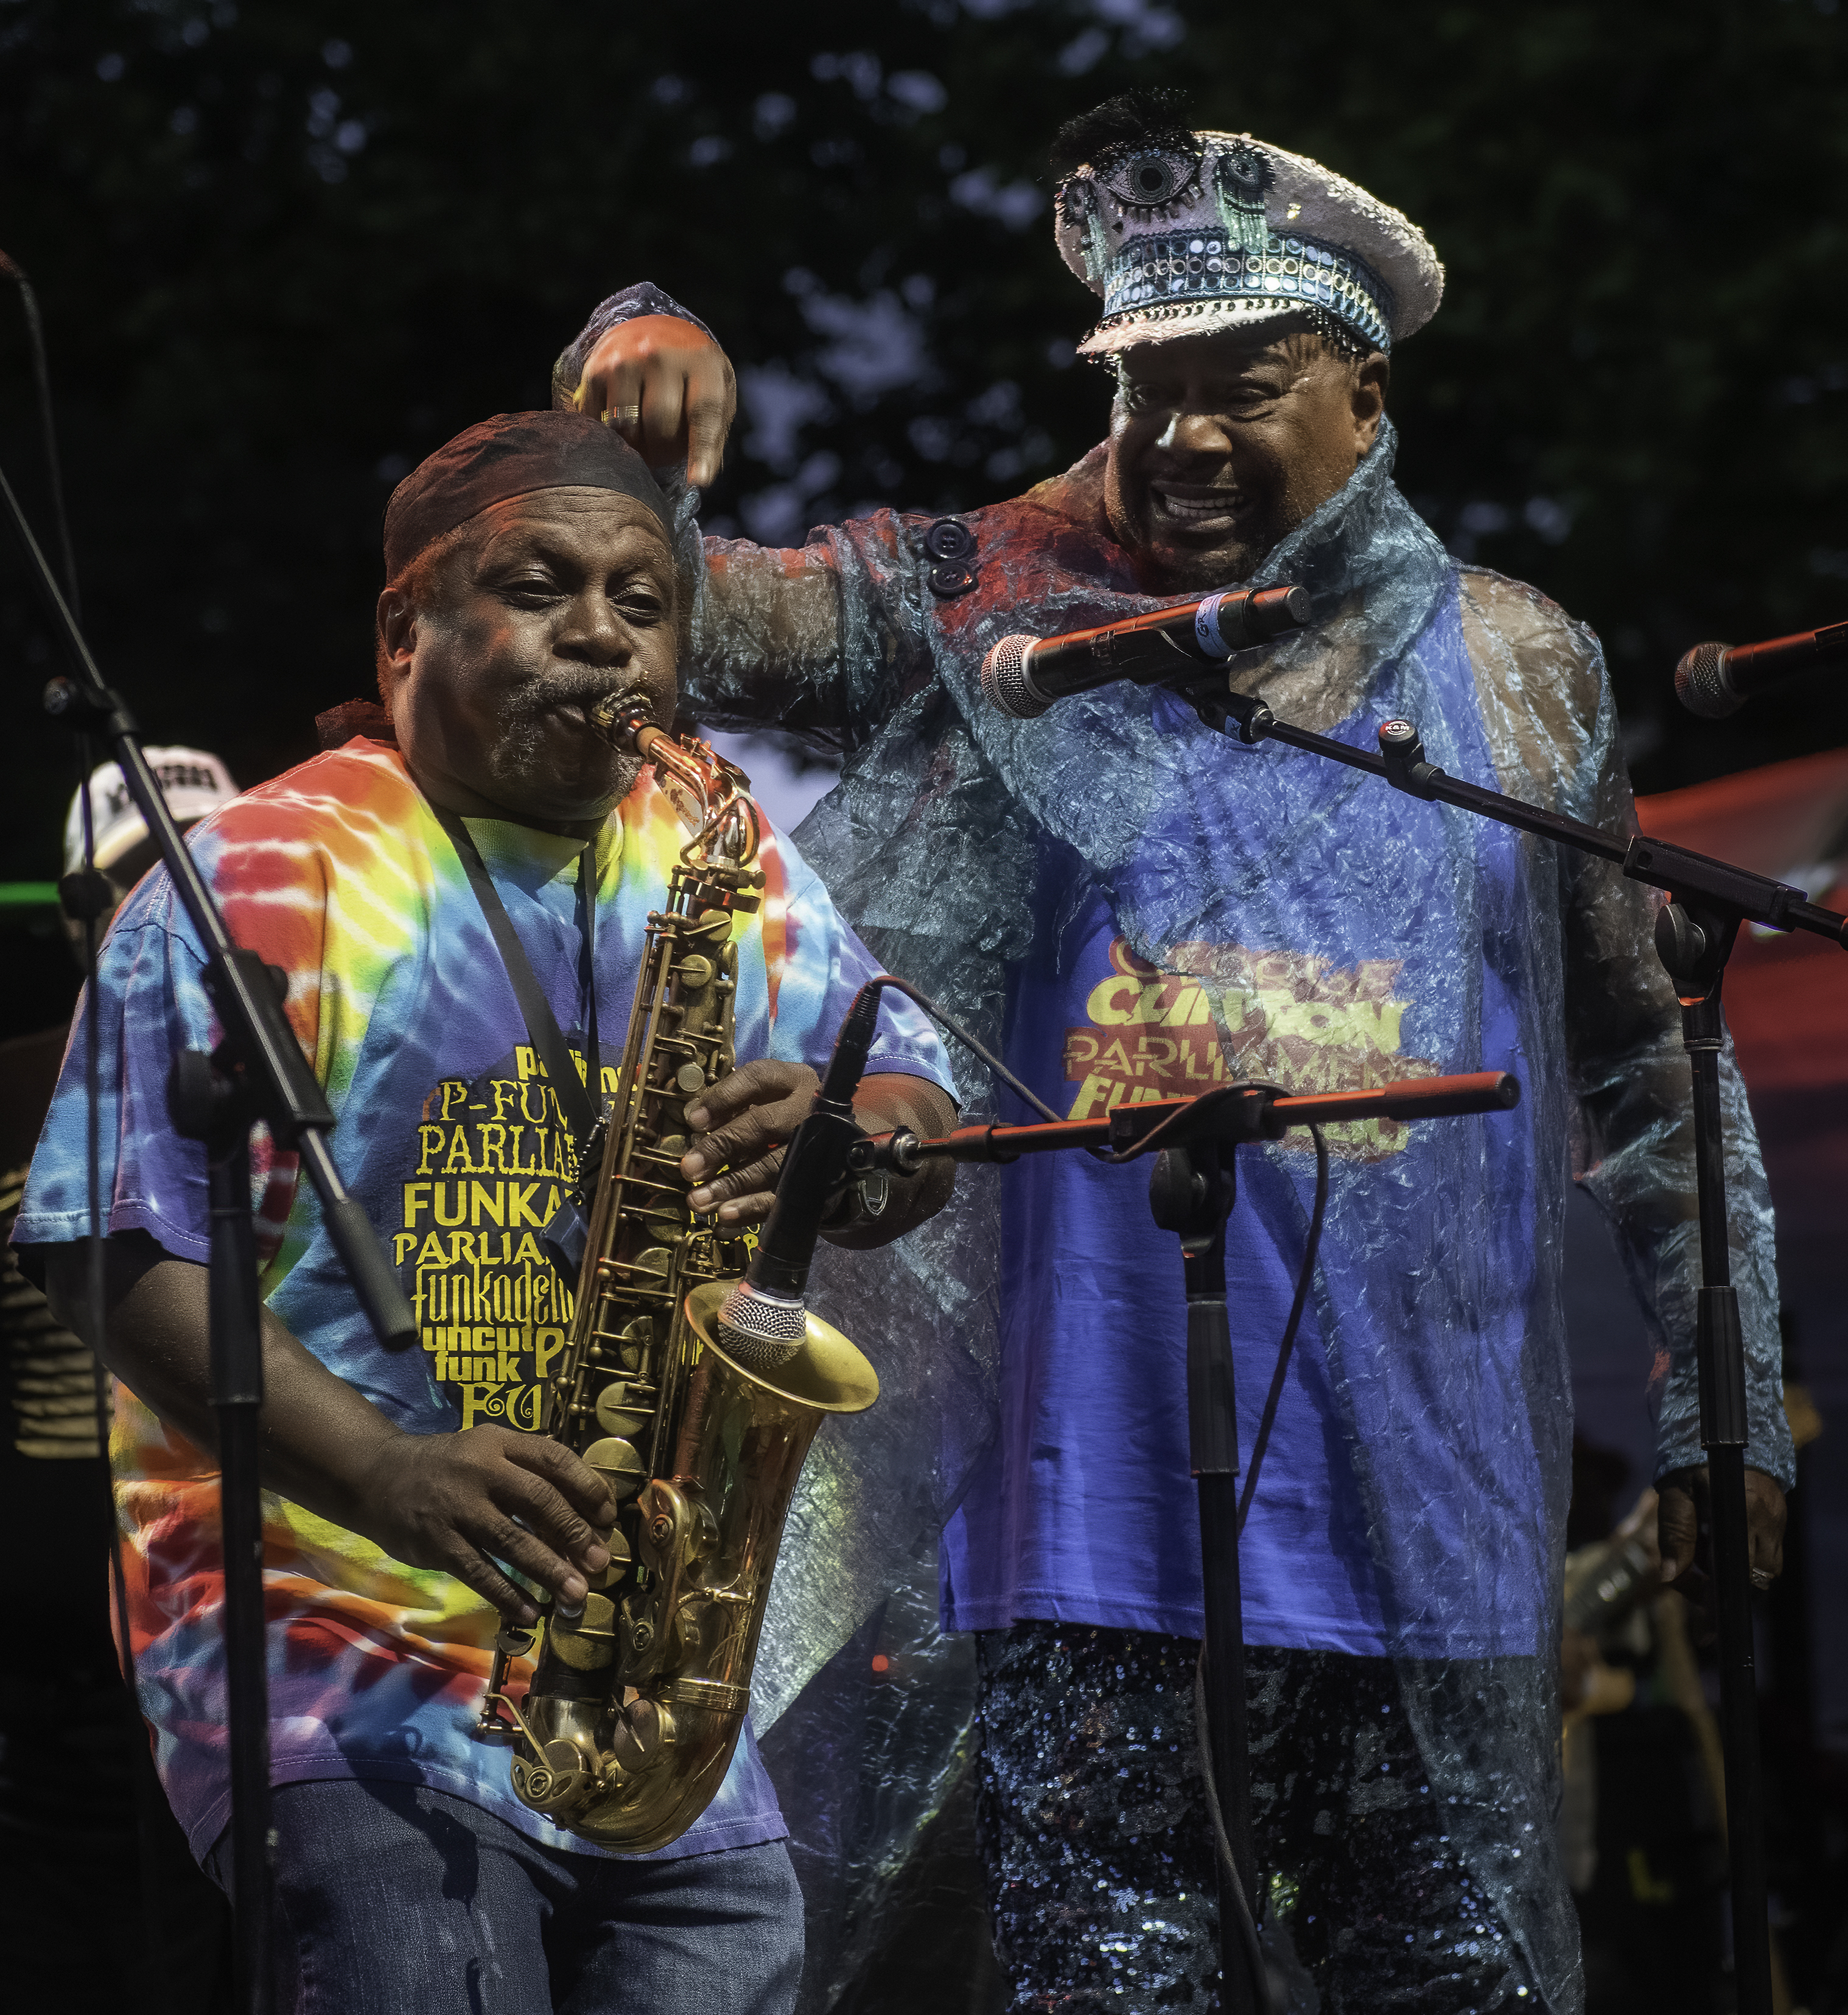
[1690, 877]
[1227, 1114]
[282, 1088]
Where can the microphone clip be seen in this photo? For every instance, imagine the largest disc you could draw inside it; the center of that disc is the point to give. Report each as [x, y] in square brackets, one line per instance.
[1225, 711]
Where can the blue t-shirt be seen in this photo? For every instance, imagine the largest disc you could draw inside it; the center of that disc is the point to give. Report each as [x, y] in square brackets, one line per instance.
[1089, 1489]
[1351, 937]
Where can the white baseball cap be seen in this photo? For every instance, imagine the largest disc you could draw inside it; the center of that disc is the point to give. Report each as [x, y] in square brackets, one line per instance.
[192, 780]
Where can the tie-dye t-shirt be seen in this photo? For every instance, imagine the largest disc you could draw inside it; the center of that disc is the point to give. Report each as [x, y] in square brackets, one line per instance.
[450, 1136]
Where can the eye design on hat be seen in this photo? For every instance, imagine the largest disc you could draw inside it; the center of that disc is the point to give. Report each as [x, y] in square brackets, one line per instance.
[1151, 180]
[1242, 179]
[1245, 176]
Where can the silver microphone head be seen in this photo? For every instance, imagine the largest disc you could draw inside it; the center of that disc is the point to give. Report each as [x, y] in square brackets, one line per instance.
[761, 1331]
[1702, 686]
[1005, 683]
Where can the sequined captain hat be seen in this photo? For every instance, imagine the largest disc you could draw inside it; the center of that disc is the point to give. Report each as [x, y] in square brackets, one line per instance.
[1189, 233]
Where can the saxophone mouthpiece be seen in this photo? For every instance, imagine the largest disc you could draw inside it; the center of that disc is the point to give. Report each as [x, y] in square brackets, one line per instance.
[624, 720]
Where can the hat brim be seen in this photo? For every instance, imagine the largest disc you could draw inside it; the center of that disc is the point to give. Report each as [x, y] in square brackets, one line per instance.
[1166, 321]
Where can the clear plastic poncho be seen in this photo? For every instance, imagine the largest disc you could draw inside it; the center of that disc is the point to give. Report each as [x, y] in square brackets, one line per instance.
[928, 847]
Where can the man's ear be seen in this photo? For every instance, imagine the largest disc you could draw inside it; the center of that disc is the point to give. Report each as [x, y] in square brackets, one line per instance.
[397, 641]
[1370, 382]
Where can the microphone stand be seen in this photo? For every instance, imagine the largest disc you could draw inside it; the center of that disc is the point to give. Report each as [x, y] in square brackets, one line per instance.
[256, 1073]
[1192, 1189]
[1708, 901]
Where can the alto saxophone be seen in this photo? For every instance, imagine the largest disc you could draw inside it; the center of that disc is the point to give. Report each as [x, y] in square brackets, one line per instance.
[635, 1702]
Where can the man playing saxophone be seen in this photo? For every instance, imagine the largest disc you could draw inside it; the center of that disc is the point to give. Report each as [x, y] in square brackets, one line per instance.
[411, 1506]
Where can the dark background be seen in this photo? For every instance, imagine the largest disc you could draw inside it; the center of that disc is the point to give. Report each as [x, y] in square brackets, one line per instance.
[286, 250]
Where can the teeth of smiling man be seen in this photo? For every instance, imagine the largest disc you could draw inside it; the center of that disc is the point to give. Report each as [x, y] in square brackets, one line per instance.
[1196, 507]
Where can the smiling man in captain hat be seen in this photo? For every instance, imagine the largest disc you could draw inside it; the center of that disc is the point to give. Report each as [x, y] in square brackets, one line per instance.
[1140, 907]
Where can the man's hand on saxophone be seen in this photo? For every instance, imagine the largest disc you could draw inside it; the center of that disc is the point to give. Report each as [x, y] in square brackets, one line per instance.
[746, 1120]
[460, 1503]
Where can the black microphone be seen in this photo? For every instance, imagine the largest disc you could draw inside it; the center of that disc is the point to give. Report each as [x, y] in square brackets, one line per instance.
[1715, 679]
[763, 1320]
[1023, 676]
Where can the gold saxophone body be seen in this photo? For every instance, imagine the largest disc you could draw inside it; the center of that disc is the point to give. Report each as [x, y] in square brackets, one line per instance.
[627, 1727]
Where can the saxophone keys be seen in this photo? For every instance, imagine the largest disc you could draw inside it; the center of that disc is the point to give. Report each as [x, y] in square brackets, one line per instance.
[619, 1412]
[588, 1644]
[621, 1560]
[640, 1730]
[620, 1467]
[558, 1782]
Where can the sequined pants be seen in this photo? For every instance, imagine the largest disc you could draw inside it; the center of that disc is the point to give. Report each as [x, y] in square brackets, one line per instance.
[1099, 1858]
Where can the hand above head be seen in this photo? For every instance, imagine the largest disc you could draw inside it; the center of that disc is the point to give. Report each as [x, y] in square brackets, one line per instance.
[463, 1502]
[667, 389]
[1677, 1524]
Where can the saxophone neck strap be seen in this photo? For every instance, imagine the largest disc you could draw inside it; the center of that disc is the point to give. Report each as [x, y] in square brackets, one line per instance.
[577, 1103]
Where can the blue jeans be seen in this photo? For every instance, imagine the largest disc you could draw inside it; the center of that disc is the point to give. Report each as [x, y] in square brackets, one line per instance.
[393, 1899]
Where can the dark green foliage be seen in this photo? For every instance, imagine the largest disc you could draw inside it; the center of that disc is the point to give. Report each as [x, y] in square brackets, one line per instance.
[287, 248]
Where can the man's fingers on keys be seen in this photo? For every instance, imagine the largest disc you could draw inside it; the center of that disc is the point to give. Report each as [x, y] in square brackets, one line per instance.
[765, 1080]
[741, 1196]
[540, 1509]
[504, 1538]
[474, 1570]
[747, 1210]
[569, 1475]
